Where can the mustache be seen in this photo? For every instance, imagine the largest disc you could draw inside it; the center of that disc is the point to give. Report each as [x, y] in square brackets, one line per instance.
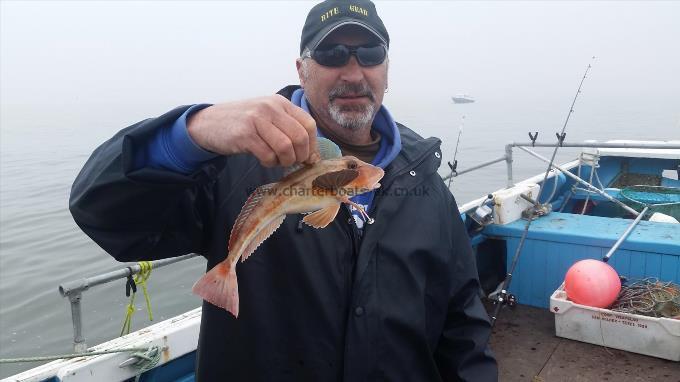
[360, 89]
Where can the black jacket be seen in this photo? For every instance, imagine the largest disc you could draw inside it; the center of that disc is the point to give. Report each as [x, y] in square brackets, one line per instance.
[399, 303]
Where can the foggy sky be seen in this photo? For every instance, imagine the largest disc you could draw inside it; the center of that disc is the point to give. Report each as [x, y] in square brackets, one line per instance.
[146, 57]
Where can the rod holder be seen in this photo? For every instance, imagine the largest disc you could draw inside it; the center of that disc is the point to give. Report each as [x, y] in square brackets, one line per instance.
[529, 199]
[508, 164]
[79, 344]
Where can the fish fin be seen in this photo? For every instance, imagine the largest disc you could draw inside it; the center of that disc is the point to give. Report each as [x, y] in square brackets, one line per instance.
[291, 169]
[328, 149]
[253, 201]
[219, 287]
[261, 236]
[322, 217]
[335, 179]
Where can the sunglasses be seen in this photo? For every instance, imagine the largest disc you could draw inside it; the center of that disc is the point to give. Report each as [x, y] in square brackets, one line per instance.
[338, 55]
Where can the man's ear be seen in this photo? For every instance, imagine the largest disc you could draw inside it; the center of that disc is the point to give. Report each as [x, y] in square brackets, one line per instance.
[298, 65]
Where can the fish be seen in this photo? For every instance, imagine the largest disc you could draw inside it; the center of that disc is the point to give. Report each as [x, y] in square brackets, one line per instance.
[317, 190]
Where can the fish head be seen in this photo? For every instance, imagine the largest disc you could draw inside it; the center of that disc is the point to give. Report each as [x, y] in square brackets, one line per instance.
[368, 178]
[348, 176]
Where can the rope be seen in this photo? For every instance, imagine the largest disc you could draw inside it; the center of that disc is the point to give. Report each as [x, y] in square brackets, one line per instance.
[146, 361]
[572, 191]
[139, 279]
[649, 297]
[593, 161]
[554, 190]
[147, 358]
[74, 355]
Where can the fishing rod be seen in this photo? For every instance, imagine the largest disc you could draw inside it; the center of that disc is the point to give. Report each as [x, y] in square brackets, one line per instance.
[502, 296]
[454, 165]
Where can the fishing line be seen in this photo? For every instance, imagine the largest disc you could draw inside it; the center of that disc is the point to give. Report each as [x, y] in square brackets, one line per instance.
[560, 138]
[453, 165]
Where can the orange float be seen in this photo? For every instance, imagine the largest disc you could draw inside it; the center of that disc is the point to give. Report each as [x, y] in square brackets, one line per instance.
[592, 283]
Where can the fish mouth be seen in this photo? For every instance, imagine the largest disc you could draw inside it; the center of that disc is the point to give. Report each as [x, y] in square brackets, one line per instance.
[369, 178]
[374, 181]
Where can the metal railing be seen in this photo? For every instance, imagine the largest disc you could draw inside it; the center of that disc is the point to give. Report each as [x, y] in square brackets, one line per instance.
[74, 291]
[508, 157]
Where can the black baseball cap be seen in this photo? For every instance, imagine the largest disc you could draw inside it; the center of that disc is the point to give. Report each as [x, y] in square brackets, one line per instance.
[330, 15]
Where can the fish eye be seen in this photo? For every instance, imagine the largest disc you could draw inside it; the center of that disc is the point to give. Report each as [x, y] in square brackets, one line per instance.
[352, 165]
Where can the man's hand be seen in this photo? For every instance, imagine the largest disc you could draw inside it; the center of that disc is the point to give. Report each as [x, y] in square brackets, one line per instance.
[271, 128]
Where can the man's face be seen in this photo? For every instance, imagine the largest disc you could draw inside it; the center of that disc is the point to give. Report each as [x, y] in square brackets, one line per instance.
[346, 97]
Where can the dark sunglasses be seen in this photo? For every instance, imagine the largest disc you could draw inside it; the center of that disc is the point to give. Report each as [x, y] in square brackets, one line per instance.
[339, 54]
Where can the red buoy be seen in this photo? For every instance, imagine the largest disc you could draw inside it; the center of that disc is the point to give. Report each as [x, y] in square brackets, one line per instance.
[592, 283]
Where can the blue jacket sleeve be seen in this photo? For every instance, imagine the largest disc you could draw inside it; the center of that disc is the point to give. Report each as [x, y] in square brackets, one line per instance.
[171, 148]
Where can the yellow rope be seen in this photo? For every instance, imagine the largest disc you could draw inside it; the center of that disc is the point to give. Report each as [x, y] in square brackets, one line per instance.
[140, 279]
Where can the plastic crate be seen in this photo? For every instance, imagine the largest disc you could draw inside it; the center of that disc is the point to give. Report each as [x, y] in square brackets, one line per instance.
[656, 337]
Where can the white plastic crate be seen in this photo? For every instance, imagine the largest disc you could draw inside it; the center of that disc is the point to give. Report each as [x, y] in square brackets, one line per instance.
[508, 204]
[657, 337]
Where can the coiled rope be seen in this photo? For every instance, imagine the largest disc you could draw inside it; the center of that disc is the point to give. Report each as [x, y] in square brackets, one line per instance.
[143, 353]
[67, 356]
[147, 358]
[146, 361]
[649, 297]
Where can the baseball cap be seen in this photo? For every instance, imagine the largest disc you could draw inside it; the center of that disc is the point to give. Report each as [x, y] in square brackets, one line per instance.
[330, 15]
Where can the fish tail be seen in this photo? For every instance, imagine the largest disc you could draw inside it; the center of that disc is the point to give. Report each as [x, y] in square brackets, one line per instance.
[219, 287]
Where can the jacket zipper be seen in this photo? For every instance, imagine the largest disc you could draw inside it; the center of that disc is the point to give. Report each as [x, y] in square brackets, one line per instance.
[350, 263]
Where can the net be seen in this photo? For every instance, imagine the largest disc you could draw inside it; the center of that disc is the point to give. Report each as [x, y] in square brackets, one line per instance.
[665, 200]
[649, 297]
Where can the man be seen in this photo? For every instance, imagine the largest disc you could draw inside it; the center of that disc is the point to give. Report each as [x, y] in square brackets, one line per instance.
[395, 300]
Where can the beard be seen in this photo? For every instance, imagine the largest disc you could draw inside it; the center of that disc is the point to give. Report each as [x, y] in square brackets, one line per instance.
[352, 117]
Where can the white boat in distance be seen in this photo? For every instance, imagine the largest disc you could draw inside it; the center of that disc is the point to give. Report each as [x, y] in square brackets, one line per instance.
[462, 98]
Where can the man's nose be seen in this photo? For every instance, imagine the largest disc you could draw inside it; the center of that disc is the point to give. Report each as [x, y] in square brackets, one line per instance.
[352, 71]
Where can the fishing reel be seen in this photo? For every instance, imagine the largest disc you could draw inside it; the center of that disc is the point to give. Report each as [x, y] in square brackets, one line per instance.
[502, 297]
[483, 215]
[508, 299]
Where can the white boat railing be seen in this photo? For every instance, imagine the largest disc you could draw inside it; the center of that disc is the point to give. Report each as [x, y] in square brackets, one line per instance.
[508, 157]
[74, 291]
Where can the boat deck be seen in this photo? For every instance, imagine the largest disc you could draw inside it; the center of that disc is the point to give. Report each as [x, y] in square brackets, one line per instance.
[527, 349]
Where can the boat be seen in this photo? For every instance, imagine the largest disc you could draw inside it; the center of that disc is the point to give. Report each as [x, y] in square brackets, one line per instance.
[599, 203]
[462, 98]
